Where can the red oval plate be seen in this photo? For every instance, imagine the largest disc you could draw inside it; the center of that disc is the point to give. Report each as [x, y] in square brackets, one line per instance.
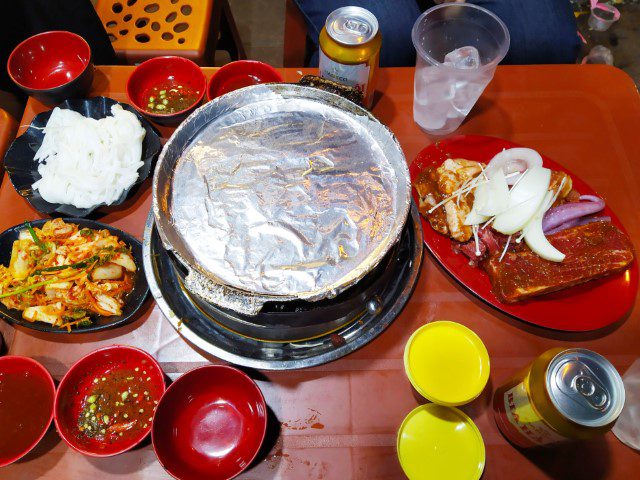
[581, 308]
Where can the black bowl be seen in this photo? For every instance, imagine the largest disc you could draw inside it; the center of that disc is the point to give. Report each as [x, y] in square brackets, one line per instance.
[134, 300]
[22, 167]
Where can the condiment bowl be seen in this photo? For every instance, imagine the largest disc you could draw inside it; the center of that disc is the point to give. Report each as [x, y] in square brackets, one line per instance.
[239, 74]
[446, 363]
[210, 424]
[27, 395]
[136, 370]
[440, 442]
[52, 66]
[159, 70]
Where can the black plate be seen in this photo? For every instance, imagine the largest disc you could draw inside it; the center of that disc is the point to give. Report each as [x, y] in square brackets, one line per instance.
[22, 166]
[133, 301]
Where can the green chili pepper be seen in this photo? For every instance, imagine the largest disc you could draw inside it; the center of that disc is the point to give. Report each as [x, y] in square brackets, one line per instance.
[37, 241]
[30, 287]
[82, 264]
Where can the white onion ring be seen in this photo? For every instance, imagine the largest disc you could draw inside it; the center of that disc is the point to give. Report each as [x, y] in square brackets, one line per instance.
[514, 160]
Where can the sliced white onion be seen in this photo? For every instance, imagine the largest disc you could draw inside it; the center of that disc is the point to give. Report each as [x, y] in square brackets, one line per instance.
[497, 199]
[481, 194]
[525, 199]
[514, 160]
[535, 238]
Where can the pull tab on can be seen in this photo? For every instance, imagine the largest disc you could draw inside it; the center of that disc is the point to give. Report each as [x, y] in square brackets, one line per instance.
[577, 377]
[356, 27]
[351, 25]
[585, 387]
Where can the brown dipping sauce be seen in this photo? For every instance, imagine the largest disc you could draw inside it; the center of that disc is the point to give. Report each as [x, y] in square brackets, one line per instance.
[118, 406]
[25, 411]
[169, 97]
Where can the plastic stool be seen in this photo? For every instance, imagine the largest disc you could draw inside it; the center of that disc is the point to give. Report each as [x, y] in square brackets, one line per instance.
[143, 29]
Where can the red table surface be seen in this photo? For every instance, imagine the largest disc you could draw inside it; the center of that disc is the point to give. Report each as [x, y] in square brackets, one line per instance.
[585, 117]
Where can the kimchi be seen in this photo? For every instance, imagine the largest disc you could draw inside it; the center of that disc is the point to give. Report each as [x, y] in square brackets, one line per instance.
[63, 274]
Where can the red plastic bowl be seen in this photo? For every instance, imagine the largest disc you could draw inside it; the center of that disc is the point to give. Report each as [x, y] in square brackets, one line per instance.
[52, 66]
[210, 424]
[239, 74]
[165, 69]
[77, 383]
[35, 401]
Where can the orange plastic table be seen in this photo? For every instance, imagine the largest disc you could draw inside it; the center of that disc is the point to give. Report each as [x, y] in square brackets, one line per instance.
[339, 421]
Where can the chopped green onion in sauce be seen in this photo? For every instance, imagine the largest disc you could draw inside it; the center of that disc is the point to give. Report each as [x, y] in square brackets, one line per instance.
[167, 98]
[112, 410]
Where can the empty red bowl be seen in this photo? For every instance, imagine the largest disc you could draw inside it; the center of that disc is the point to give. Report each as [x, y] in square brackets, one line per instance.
[210, 424]
[239, 74]
[171, 70]
[101, 378]
[52, 66]
[27, 392]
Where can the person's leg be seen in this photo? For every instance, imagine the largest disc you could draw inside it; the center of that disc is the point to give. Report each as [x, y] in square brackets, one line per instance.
[396, 18]
[542, 31]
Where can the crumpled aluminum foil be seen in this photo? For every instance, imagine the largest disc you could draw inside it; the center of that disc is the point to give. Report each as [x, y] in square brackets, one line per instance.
[281, 190]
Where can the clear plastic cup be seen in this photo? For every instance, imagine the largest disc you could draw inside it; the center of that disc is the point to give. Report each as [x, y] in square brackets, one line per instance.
[599, 54]
[602, 17]
[627, 428]
[443, 93]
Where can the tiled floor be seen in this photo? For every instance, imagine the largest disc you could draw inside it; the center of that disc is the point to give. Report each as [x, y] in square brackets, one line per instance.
[623, 38]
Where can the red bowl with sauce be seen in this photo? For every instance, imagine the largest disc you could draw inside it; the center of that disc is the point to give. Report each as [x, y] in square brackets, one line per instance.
[105, 402]
[240, 74]
[165, 74]
[52, 66]
[210, 424]
[27, 395]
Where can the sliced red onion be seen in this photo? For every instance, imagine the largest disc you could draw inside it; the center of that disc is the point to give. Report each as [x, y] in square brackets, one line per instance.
[594, 218]
[577, 222]
[562, 226]
[557, 216]
[514, 160]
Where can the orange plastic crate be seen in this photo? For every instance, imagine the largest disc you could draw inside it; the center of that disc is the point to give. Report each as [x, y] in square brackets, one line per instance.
[142, 29]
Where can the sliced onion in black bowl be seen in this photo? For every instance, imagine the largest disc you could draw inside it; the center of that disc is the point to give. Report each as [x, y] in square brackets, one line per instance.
[22, 167]
[132, 302]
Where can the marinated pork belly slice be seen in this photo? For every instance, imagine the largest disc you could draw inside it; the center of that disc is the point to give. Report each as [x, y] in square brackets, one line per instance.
[592, 251]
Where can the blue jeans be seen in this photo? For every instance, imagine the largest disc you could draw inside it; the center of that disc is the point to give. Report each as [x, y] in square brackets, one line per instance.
[542, 31]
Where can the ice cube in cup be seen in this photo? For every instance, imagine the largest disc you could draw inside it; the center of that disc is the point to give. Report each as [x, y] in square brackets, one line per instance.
[463, 58]
[437, 35]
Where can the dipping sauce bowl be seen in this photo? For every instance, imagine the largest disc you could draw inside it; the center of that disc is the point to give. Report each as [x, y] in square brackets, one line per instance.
[27, 394]
[239, 74]
[165, 73]
[210, 424]
[446, 363]
[52, 66]
[105, 402]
